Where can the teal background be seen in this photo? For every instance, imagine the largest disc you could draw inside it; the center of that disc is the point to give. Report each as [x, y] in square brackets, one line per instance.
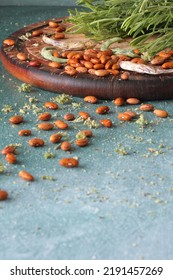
[38, 2]
[111, 206]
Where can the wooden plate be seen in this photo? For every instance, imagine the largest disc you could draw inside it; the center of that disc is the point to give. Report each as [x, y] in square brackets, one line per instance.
[142, 86]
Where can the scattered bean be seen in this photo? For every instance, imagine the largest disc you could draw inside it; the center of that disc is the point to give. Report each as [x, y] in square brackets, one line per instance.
[11, 158]
[36, 142]
[25, 175]
[133, 101]
[84, 115]
[87, 132]
[69, 162]
[61, 124]
[69, 117]
[124, 117]
[146, 107]
[82, 142]
[45, 126]
[131, 114]
[8, 149]
[16, 119]
[51, 105]
[24, 132]
[161, 113]
[44, 116]
[119, 101]
[106, 122]
[66, 146]
[3, 195]
[91, 99]
[55, 138]
[102, 110]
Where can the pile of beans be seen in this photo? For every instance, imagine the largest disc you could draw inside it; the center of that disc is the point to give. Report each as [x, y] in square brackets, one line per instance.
[92, 61]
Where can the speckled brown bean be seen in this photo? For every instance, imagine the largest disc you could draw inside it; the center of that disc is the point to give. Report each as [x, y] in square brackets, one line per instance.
[61, 124]
[8, 149]
[146, 107]
[87, 132]
[161, 113]
[131, 114]
[157, 60]
[60, 29]
[55, 64]
[36, 142]
[16, 119]
[65, 146]
[106, 123]
[102, 110]
[91, 99]
[132, 101]
[165, 54]
[36, 33]
[125, 76]
[25, 175]
[51, 105]
[22, 56]
[81, 69]
[119, 101]
[98, 66]
[113, 72]
[124, 117]
[82, 142]
[11, 158]
[69, 70]
[88, 64]
[59, 35]
[34, 63]
[53, 24]
[69, 117]
[69, 162]
[24, 132]
[44, 116]
[45, 126]
[102, 72]
[3, 195]
[9, 42]
[84, 115]
[167, 65]
[55, 138]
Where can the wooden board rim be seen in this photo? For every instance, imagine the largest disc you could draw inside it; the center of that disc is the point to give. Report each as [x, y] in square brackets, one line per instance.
[144, 87]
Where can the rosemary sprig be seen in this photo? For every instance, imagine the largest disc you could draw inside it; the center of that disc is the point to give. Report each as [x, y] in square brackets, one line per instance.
[143, 20]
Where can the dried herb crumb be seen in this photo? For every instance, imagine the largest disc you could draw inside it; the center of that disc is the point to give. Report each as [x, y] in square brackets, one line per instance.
[25, 88]
[142, 122]
[48, 155]
[91, 123]
[7, 109]
[121, 150]
[47, 177]
[63, 98]
[2, 167]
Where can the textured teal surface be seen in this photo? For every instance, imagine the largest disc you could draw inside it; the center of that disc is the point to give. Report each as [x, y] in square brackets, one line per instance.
[111, 206]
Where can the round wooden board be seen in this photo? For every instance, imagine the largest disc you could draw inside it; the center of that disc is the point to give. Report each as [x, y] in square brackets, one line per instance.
[142, 86]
